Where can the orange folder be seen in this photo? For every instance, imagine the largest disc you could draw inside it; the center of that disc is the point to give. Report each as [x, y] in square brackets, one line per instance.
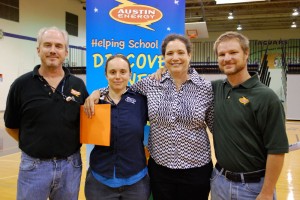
[96, 130]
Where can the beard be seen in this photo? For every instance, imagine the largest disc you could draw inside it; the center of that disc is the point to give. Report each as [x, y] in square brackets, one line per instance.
[233, 70]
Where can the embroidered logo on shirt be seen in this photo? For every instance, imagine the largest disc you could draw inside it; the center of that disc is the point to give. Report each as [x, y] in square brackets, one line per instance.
[244, 100]
[130, 100]
[74, 92]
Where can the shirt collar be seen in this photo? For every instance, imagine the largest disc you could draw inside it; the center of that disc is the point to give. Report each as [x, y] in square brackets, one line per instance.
[35, 72]
[105, 91]
[194, 77]
[250, 83]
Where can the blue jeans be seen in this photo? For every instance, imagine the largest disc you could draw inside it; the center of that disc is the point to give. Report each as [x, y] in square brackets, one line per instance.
[94, 190]
[53, 179]
[223, 189]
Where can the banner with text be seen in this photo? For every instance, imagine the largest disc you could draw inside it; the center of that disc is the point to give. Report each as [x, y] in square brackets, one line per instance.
[133, 28]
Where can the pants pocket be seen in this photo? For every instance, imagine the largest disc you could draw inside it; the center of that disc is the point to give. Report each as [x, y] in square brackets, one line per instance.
[214, 175]
[75, 160]
[28, 164]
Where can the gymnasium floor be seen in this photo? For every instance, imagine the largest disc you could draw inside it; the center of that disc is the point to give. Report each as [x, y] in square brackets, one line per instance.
[288, 186]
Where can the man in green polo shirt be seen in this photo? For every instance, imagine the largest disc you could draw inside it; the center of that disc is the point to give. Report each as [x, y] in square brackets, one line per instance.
[249, 129]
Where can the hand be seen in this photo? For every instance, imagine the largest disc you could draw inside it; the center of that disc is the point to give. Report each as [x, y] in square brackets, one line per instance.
[264, 197]
[157, 75]
[90, 102]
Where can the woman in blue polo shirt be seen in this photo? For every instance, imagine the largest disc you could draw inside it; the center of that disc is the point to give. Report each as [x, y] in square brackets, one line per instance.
[180, 108]
[119, 171]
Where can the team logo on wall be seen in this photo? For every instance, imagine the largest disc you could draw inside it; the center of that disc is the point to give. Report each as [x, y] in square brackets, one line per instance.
[136, 14]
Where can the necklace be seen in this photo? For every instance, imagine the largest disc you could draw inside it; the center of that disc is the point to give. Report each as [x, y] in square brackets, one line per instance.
[66, 98]
[110, 100]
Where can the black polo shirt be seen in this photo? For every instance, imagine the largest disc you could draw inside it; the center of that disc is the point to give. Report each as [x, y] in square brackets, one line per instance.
[48, 124]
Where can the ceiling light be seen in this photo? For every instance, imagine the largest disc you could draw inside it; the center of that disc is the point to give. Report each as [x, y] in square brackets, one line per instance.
[294, 25]
[239, 27]
[295, 12]
[230, 15]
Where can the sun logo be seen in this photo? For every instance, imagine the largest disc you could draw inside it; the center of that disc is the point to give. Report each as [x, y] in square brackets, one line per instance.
[244, 100]
[135, 14]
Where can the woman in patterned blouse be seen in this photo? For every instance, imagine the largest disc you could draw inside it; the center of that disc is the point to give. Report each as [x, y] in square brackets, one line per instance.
[180, 107]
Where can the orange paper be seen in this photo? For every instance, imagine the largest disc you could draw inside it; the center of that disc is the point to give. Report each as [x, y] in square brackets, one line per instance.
[96, 130]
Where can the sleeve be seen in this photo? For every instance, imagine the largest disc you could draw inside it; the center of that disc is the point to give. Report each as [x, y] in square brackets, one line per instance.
[209, 115]
[272, 125]
[146, 108]
[12, 110]
[103, 92]
[142, 86]
[84, 91]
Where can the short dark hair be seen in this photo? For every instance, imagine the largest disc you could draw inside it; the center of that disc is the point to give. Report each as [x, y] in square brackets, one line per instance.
[173, 37]
[117, 56]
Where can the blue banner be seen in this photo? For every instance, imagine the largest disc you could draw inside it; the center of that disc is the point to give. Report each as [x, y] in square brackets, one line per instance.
[133, 28]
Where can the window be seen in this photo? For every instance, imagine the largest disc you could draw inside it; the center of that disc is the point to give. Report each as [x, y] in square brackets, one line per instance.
[72, 24]
[9, 9]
